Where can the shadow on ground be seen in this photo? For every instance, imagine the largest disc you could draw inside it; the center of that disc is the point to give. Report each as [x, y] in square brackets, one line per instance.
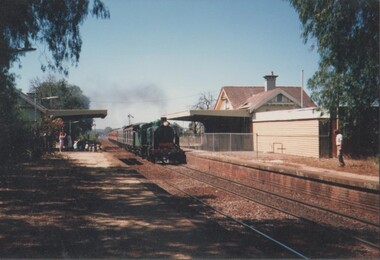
[52, 209]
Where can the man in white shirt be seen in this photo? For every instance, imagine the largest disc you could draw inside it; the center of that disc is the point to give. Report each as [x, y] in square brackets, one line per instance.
[339, 144]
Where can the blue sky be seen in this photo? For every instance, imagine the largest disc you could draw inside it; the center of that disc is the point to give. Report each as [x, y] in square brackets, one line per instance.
[155, 57]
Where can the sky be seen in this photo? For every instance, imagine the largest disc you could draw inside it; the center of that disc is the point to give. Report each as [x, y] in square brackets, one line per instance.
[156, 57]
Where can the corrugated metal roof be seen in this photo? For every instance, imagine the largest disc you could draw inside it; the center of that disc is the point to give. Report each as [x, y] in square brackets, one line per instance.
[78, 113]
[65, 113]
[195, 115]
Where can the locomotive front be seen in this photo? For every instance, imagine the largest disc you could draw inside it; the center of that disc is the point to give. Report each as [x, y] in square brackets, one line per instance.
[165, 144]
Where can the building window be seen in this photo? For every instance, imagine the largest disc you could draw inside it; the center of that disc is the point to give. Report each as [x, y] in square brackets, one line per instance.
[225, 105]
[279, 98]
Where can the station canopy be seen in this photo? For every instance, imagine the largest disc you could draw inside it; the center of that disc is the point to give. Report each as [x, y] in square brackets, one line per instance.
[216, 121]
[77, 114]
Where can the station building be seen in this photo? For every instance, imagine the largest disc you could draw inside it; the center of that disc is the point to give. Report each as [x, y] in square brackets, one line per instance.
[33, 111]
[280, 119]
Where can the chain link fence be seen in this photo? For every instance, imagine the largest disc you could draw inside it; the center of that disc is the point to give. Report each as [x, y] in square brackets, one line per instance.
[306, 145]
[218, 142]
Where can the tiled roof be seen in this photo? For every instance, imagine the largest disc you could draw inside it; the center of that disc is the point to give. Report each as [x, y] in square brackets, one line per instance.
[239, 96]
[296, 93]
[255, 100]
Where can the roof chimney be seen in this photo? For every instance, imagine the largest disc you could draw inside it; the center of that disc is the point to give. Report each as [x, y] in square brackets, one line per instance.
[270, 81]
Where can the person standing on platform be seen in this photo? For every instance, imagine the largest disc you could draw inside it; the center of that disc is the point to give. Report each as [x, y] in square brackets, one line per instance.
[339, 147]
[62, 136]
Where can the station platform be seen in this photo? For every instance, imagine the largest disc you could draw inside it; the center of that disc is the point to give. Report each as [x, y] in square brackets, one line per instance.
[296, 166]
[91, 205]
[136, 218]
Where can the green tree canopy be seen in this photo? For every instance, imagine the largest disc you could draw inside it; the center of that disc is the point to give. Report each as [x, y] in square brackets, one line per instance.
[68, 97]
[346, 35]
[55, 23]
[107, 130]
[23, 25]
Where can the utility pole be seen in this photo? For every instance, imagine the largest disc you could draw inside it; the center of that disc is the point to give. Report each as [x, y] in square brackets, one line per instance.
[302, 89]
[129, 118]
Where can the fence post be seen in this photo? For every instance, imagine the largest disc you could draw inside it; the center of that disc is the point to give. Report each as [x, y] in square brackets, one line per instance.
[213, 142]
[230, 144]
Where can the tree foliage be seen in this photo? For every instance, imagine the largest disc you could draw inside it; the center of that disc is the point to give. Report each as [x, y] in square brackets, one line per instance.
[346, 35]
[54, 23]
[107, 130]
[15, 136]
[23, 25]
[205, 101]
[68, 97]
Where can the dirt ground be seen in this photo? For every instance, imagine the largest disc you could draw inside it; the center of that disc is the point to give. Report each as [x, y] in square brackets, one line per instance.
[94, 206]
[368, 167]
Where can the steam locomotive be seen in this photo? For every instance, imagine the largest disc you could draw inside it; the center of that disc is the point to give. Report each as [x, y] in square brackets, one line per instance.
[156, 141]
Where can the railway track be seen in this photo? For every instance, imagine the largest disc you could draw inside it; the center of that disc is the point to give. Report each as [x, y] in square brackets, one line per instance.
[367, 216]
[300, 236]
[296, 207]
[290, 252]
[339, 201]
[313, 229]
[244, 224]
[311, 226]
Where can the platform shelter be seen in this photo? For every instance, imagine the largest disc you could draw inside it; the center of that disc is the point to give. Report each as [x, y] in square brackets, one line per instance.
[217, 121]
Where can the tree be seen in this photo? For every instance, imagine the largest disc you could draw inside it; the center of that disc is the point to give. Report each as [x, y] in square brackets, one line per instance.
[69, 97]
[347, 81]
[13, 138]
[51, 22]
[205, 102]
[24, 23]
[107, 130]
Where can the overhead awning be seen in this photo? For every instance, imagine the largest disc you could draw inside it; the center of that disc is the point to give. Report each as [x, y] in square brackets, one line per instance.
[76, 114]
[217, 121]
[199, 115]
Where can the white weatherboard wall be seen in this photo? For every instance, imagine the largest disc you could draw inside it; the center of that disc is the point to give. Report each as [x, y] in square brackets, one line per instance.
[294, 132]
[288, 137]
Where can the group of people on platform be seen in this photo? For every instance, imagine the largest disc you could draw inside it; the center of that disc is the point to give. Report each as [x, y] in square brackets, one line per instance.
[66, 143]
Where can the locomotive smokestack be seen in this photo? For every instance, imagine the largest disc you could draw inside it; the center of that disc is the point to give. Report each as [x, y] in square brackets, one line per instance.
[164, 121]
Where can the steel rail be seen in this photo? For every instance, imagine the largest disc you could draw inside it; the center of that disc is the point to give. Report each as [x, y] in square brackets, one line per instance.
[315, 194]
[273, 207]
[376, 225]
[239, 222]
[359, 239]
